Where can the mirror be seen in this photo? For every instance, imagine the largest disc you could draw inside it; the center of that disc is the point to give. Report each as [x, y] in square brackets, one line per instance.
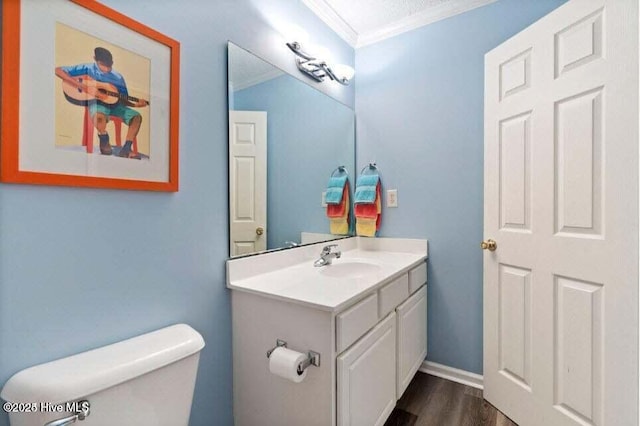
[285, 141]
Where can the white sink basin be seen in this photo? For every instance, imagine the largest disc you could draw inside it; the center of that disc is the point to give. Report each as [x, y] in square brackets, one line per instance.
[289, 275]
[349, 269]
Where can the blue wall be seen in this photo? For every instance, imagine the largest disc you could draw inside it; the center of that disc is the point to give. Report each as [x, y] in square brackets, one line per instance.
[308, 135]
[81, 268]
[419, 112]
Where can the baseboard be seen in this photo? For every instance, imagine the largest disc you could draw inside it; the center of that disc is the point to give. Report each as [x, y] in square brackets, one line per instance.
[453, 374]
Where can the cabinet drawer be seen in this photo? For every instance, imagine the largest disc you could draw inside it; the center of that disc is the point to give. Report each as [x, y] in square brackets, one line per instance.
[393, 294]
[417, 277]
[355, 321]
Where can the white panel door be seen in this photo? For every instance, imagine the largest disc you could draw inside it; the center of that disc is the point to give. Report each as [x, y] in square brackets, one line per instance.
[247, 181]
[561, 201]
[367, 377]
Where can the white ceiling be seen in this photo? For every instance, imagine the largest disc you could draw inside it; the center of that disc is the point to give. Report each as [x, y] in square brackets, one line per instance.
[362, 22]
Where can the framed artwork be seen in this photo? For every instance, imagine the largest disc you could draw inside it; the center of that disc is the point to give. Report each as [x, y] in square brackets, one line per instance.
[90, 98]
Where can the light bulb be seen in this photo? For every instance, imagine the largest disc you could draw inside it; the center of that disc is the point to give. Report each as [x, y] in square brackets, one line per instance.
[343, 71]
[321, 53]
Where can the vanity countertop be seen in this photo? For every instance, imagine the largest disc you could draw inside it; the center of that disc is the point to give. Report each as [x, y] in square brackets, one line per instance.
[365, 265]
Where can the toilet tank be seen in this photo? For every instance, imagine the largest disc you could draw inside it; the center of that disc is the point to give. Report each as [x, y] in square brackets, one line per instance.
[144, 381]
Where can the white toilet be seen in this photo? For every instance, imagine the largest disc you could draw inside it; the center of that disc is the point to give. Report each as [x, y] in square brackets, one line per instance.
[144, 381]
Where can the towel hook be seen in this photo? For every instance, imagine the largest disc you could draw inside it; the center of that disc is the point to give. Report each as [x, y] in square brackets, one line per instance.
[339, 170]
[371, 166]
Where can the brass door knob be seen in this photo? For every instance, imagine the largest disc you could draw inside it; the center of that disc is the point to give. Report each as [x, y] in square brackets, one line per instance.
[489, 245]
[259, 230]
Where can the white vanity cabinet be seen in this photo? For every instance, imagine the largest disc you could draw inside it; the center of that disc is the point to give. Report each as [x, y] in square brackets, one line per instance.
[371, 332]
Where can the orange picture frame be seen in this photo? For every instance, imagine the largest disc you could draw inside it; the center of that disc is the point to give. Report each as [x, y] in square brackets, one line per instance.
[13, 151]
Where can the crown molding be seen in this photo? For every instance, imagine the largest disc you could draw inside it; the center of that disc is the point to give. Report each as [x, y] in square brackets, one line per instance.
[329, 16]
[421, 19]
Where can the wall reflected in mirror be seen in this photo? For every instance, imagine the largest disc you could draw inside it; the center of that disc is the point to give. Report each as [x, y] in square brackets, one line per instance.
[285, 140]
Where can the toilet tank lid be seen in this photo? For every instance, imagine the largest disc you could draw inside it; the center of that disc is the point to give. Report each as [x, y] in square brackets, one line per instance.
[80, 375]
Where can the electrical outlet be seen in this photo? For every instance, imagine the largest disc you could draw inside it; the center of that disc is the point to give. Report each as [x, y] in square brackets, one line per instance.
[324, 199]
[392, 198]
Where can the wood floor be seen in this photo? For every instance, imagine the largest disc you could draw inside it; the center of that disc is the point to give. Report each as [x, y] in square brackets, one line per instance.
[432, 401]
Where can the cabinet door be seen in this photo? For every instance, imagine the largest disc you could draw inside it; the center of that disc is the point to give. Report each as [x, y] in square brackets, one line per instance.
[412, 337]
[367, 377]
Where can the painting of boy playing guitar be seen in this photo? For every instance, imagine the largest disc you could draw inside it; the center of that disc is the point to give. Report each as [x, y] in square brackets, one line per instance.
[104, 91]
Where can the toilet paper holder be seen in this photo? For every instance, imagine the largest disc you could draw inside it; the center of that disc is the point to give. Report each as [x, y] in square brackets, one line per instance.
[313, 358]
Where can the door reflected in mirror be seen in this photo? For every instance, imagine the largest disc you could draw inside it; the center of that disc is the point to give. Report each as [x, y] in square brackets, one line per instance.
[285, 140]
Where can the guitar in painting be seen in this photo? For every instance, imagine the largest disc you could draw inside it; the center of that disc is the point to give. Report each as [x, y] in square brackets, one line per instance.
[89, 89]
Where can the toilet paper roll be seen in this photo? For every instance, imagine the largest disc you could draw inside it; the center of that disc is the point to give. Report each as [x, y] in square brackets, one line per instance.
[284, 362]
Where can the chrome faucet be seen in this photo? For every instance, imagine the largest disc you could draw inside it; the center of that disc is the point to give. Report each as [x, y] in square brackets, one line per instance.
[327, 255]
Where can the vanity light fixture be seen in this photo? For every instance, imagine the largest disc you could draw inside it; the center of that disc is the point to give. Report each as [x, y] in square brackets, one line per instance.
[318, 69]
